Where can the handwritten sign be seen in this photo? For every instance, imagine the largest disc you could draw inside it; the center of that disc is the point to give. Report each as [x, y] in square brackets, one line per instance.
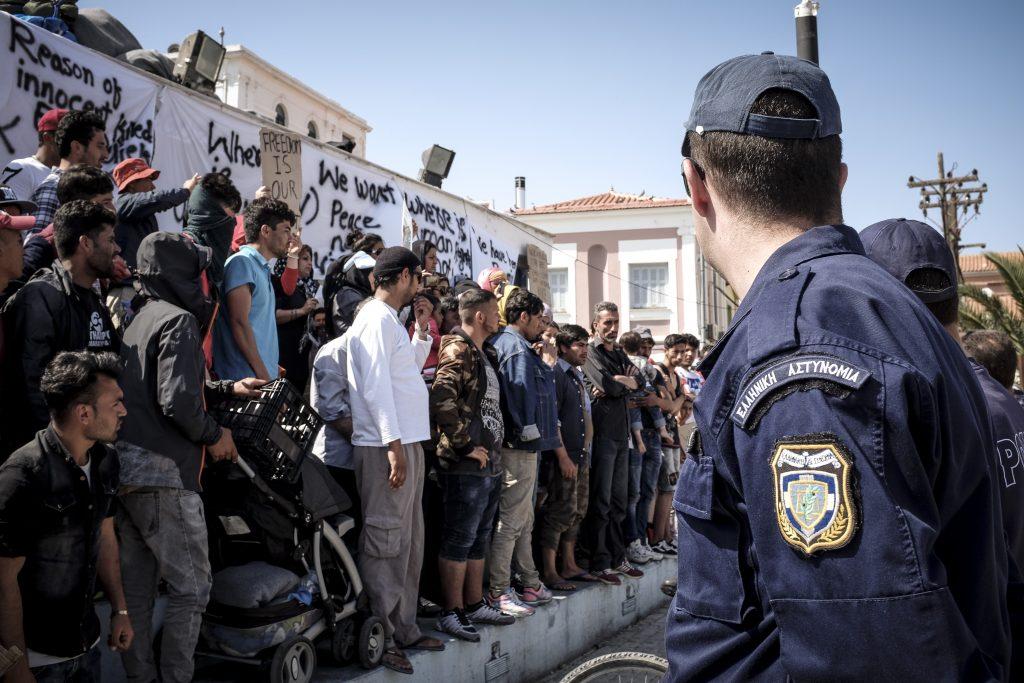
[281, 161]
[537, 263]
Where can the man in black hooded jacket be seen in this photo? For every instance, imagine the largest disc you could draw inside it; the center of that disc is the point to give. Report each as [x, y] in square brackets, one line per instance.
[161, 451]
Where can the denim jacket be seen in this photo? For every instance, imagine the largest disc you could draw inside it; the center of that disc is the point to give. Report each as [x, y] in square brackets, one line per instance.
[528, 393]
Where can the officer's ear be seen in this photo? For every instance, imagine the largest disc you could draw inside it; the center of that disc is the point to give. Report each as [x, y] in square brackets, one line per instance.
[844, 173]
[699, 195]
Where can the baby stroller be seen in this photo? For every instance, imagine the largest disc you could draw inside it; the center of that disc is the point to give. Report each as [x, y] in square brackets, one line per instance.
[281, 510]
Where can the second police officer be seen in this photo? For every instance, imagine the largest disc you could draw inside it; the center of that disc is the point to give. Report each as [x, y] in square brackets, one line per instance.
[836, 517]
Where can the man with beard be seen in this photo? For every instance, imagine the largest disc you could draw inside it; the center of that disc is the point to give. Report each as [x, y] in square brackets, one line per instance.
[58, 310]
[161, 452]
[530, 425]
[57, 526]
[390, 420]
[610, 377]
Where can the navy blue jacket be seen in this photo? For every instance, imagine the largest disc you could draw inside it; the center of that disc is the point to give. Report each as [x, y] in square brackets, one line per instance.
[839, 514]
[528, 393]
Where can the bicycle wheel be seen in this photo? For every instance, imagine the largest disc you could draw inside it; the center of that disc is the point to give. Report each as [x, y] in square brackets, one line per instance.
[619, 667]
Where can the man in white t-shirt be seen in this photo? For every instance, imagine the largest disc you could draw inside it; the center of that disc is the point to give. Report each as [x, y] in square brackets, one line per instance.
[390, 420]
[25, 175]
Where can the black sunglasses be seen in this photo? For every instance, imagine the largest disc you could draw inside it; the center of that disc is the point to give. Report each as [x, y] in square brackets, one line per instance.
[682, 164]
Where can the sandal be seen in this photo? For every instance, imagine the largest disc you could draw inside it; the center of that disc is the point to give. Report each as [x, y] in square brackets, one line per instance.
[585, 577]
[396, 660]
[562, 586]
[425, 643]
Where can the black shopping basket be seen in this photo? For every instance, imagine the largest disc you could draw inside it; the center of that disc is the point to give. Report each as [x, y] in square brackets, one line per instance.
[273, 432]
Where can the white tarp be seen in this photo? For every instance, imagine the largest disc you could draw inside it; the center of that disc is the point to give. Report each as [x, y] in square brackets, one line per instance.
[181, 133]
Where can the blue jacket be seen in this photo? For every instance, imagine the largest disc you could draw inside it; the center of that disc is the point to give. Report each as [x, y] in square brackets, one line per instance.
[839, 514]
[527, 392]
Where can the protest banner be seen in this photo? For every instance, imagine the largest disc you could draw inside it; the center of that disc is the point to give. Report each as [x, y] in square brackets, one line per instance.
[537, 263]
[40, 71]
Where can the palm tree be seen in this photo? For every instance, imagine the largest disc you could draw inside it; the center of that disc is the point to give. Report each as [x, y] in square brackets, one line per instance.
[980, 310]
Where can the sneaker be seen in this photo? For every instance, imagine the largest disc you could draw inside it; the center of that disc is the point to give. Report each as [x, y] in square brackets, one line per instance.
[537, 596]
[669, 588]
[426, 609]
[607, 576]
[664, 548]
[635, 553]
[652, 553]
[626, 569]
[455, 623]
[485, 614]
[674, 544]
[510, 604]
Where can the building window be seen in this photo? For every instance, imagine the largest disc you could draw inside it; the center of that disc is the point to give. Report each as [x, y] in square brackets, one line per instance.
[280, 115]
[558, 282]
[648, 282]
[311, 130]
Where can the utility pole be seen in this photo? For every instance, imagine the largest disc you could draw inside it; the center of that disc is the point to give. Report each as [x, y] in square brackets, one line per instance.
[950, 194]
[807, 30]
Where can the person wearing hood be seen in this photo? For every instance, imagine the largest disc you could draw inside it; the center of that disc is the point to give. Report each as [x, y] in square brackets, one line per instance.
[162, 448]
[356, 285]
[370, 244]
[210, 220]
[426, 252]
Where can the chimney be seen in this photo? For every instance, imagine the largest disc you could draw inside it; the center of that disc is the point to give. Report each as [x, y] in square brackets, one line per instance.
[520, 193]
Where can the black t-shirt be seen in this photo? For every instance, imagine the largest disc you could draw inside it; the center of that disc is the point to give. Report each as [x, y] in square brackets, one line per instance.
[101, 335]
[289, 334]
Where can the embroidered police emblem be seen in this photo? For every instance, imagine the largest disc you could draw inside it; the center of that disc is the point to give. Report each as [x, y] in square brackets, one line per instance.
[814, 501]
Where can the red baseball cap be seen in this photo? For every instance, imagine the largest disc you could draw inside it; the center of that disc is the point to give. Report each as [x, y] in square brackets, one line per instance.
[133, 169]
[9, 222]
[48, 121]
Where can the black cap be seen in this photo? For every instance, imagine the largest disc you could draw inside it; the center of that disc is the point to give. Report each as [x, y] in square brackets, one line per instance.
[726, 93]
[902, 246]
[395, 260]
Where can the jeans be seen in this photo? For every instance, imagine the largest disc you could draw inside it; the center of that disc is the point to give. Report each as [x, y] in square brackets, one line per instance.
[649, 467]
[470, 504]
[601, 532]
[163, 536]
[82, 669]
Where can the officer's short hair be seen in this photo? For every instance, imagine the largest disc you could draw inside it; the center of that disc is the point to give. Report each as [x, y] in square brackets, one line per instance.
[631, 342]
[772, 179]
[947, 311]
[70, 378]
[994, 351]
[472, 301]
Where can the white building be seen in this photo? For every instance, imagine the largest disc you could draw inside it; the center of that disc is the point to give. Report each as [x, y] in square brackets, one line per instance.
[252, 84]
[638, 251]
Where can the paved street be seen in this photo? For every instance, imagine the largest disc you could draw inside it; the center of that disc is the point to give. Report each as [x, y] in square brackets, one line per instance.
[647, 635]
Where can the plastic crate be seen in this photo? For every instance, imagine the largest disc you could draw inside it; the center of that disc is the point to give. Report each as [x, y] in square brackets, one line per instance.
[273, 432]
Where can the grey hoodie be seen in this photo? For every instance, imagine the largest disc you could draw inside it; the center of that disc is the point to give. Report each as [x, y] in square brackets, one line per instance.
[161, 441]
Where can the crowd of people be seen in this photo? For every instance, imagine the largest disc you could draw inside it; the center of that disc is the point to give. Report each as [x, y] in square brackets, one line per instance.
[493, 456]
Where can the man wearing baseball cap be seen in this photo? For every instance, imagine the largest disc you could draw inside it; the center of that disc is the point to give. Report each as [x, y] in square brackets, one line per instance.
[835, 520]
[23, 176]
[917, 255]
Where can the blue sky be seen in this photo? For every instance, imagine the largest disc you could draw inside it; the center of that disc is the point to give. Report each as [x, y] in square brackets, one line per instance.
[582, 96]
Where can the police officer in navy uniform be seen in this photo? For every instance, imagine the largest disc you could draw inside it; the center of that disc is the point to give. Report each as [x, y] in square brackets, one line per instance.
[835, 520]
[917, 255]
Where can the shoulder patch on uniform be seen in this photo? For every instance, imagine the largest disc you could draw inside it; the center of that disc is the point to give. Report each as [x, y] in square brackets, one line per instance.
[800, 368]
[815, 502]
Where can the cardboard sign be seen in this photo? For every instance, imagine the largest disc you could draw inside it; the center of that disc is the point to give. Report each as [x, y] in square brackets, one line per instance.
[281, 161]
[537, 263]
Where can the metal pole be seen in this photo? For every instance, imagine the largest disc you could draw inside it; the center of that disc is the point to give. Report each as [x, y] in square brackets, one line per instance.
[807, 30]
